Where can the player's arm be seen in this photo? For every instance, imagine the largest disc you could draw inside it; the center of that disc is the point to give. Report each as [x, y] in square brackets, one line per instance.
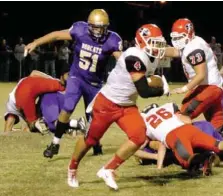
[185, 119]
[172, 52]
[137, 70]
[54, 36]
[197, 59]
[36, 73]
[117, 54]
[161, 155]
[51, 37]
[117, 47]
[145, 155]
[10, 120]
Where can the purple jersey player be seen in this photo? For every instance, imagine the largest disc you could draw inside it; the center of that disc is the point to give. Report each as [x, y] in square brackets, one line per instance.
[50, 107]
[94, 44]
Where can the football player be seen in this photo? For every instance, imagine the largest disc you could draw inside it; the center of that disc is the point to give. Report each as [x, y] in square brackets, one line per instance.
[94, 43]
[204, 87]
[116, 102]
[174, 130]
[22, 100]
[151, 152]
[50, 105]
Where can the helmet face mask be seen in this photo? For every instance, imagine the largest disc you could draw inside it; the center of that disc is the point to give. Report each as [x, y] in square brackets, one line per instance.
[149, 38]
[179, 40]
[97, 31]
[98, 22]
[182, 33]
[155, 47]
[150, 107]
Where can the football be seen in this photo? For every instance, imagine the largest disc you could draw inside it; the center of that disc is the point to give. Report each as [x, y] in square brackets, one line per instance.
[155, 81]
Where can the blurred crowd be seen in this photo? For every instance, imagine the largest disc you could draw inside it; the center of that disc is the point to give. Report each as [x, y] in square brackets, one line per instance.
[52, 57]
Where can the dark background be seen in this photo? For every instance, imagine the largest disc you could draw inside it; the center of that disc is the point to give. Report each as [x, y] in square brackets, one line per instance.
[33, 19]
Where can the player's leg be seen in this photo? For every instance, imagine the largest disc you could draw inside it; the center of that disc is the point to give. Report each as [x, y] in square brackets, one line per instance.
[215, 115]
[210, 143]
[98, 126]
[72, 95]
[205, 141]
[207, 128]
[181, 146]
[200, 100]
[133, 125]
[89, 92]
[50, 110]
[191, 137]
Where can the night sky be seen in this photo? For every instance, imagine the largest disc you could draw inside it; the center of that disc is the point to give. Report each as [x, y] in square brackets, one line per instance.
[34, 19]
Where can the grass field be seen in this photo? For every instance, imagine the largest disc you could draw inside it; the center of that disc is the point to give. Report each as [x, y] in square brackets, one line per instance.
[25, 172]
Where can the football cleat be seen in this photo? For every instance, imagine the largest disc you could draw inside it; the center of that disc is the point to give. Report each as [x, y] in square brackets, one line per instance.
[72, 178]
[108, 176]
[51, 150]
[208, 163]
[41, 126]
[81, 125]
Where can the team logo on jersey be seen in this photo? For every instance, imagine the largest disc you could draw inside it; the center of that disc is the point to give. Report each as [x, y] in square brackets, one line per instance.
[137, 65]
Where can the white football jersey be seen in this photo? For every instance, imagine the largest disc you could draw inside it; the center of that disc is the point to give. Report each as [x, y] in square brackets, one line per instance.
[161, 121]
[11, 103]
[120, 88]
[196, 52]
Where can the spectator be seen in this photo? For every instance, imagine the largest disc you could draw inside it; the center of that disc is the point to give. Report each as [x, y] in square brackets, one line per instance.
[35, 60]
[50, 53]
[216, 47]
[19, 55]
[125, 45]
[132, 43]
[63, 56]
[5, 52]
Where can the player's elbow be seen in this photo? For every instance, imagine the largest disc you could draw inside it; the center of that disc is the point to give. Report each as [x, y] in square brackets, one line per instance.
[201, 76]
[146, 91]
[150, 92]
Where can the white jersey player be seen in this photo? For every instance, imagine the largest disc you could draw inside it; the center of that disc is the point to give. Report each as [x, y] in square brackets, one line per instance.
[204, 85]
[116, 102]
[176, 132]
[161, 120]
[119, 87]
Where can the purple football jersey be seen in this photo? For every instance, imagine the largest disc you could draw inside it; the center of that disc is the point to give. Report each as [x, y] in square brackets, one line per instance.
[91, 57]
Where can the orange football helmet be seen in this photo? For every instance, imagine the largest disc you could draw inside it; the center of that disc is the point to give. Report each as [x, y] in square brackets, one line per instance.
[149, 37]
[182, 33]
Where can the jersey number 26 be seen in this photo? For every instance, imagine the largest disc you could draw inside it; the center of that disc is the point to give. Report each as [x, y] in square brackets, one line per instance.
[155, 119]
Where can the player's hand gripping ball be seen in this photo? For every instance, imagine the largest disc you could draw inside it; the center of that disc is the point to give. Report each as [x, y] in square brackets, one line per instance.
[155, 81]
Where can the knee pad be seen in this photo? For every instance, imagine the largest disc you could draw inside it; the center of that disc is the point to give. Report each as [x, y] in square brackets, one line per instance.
[181, 150]
[191, 108]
